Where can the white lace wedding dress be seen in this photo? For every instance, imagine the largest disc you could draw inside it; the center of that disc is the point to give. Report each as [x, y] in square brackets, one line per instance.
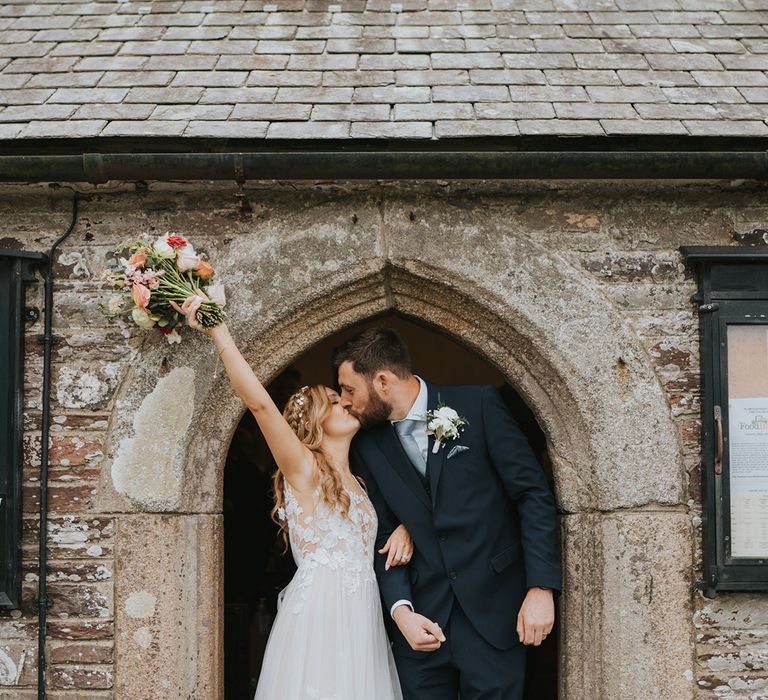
[328, 640]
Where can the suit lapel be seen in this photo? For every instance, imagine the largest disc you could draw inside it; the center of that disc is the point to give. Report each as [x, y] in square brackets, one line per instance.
[389, 444]
[434, 461]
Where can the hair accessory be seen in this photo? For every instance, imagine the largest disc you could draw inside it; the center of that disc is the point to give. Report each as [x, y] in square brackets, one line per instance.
[300, 399]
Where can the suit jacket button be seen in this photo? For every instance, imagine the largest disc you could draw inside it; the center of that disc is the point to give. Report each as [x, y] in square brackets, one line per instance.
[452, 575]
[442, 537]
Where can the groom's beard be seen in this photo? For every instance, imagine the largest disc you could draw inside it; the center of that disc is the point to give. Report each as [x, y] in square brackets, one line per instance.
[377, 410]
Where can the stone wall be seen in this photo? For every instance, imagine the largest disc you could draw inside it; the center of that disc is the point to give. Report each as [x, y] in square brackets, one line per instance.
[575, 291]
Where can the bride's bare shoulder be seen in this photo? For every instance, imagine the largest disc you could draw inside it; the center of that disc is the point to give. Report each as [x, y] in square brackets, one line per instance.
[305, 486]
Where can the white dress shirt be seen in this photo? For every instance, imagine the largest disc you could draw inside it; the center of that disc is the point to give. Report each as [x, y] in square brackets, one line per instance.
[417, 412]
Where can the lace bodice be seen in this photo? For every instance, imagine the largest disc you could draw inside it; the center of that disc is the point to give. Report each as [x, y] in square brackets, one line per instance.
[325, 539]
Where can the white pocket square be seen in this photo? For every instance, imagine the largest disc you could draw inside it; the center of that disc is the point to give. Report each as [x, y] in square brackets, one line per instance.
[457, 449]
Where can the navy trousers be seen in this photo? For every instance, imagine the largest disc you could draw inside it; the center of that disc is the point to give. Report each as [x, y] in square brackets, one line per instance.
[465, 666]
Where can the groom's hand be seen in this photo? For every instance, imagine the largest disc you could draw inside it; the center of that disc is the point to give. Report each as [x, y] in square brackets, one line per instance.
[536, 617]
[420, 632]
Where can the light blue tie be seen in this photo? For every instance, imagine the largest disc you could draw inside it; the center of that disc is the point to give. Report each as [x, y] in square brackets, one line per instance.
[404, 430]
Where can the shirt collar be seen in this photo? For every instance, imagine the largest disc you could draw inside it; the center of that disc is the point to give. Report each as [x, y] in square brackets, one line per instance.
[419, 408]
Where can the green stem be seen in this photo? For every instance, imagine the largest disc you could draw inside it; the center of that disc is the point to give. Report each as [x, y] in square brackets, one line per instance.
[176, 286]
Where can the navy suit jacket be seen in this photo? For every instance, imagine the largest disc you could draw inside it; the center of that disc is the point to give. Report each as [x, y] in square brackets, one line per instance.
[484, 530]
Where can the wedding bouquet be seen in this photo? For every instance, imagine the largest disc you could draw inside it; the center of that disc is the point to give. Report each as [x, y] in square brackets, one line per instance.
[159, 271]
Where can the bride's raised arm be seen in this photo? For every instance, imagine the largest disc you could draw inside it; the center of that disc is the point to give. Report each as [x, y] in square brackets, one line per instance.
[293, 458]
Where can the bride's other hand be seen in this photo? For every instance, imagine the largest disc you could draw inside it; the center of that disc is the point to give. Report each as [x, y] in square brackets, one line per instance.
[398, 548]
[189, 310]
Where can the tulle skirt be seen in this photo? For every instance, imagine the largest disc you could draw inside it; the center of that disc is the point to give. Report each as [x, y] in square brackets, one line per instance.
[328, 641]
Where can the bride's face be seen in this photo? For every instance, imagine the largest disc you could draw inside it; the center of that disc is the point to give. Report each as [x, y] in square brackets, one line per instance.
[339, 421]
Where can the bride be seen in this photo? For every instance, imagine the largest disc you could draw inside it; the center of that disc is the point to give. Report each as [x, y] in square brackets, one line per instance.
[328, 640]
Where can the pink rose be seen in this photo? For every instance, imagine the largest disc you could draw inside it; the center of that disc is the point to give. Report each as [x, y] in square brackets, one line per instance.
[186, 258]
[215, 292]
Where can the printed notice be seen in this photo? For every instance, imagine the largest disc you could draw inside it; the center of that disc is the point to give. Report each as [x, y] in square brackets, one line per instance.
[748, 439]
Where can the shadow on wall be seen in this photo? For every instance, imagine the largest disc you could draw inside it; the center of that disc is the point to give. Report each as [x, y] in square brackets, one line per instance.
[257, 566]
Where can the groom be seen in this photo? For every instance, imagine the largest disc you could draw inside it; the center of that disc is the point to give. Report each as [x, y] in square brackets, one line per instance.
[486, 561]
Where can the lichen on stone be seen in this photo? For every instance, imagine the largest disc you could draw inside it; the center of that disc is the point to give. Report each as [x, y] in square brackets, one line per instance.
[144, 469]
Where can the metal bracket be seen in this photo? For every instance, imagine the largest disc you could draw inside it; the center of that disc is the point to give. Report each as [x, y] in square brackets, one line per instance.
[240, 196]
[708, 588]
[709, 307]
[31, 314]
[718, 411]
[55, 339]
[94, 168]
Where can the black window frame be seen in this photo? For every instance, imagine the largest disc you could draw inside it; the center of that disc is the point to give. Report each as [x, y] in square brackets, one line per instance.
[733, 289]
[16, 270]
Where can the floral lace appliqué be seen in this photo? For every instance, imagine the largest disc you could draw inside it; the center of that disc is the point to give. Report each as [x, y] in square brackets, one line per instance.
[328, 539]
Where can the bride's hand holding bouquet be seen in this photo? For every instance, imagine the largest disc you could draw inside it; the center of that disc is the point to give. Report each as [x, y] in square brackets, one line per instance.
[189, 309]
[220, 334]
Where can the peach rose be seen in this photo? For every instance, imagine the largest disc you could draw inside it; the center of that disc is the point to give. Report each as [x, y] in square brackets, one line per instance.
[138, 258]
[204, 270]
[141, 295]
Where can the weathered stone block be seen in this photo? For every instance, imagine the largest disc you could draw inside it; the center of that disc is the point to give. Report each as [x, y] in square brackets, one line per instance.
[66, 676]
[159, 610]
[81, 653]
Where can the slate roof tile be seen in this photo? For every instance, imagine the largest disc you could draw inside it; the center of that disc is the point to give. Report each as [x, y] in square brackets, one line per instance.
[425, 69]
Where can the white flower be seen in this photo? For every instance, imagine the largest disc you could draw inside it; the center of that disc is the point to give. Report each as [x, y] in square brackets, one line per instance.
[440, 425]
[163, 248]
[173, 337]
[142, 318]
[446, 413]
[444, 423]
[187, 258]
[215, 292]
[115, 304]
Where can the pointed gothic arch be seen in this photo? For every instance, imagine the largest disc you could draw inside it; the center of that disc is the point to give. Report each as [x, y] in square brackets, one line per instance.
[557, 341]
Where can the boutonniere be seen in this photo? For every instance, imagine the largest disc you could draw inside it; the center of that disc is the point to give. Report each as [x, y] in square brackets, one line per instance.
[444, 423]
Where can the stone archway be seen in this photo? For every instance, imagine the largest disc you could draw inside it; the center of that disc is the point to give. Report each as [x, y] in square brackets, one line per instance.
[615, 455]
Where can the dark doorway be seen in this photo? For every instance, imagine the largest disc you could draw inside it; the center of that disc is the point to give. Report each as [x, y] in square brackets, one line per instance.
[256, 567]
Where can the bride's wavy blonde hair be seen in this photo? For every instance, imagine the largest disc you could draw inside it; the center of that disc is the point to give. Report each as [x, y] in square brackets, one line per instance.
[305, 412]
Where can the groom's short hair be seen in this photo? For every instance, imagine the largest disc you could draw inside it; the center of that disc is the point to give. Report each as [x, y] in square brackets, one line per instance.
[373, 350]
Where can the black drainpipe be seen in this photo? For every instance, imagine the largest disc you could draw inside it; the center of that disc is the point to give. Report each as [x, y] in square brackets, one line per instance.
[380, 164]
[48, 340]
